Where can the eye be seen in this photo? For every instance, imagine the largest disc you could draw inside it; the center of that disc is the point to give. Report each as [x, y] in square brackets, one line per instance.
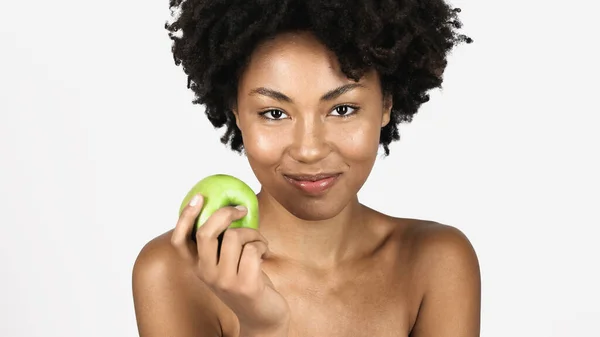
[273, 114]
[344, 110]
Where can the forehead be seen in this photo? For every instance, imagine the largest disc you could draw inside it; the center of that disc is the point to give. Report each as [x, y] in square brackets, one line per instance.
[295, 62]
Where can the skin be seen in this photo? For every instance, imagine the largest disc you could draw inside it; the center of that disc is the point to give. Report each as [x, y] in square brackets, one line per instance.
[343, 268]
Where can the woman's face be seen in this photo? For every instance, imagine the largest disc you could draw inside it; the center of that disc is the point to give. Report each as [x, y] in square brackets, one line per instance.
[301, 117]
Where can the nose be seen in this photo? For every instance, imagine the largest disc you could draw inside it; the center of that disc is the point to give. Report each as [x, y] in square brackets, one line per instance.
[310, 143]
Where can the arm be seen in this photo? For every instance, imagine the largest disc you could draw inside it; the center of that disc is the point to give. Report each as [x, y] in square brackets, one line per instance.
[452, 299]
[167, 301]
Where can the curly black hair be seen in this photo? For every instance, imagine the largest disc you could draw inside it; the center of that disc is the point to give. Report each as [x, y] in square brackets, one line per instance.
[405, 41]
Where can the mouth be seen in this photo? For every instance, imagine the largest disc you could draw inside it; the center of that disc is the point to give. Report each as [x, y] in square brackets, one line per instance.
[311, 177]
[313, 184]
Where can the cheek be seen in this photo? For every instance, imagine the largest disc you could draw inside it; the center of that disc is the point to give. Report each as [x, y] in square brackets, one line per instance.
[358, 143]
[264, 146]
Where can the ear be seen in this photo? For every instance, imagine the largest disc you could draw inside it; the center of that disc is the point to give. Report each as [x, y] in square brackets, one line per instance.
[236, 116]
[387, 110]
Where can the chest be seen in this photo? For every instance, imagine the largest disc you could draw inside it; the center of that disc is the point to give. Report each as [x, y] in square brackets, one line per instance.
[373, 303]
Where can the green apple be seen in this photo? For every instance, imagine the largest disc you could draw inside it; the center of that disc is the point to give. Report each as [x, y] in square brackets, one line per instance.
[221, 190]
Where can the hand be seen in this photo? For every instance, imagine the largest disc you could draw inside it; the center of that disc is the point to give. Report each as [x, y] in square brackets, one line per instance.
[234, 274]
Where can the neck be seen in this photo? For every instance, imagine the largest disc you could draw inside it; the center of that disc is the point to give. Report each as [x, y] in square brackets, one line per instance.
[318, 244]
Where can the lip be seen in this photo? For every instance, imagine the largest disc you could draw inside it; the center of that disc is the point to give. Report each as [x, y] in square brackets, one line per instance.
[313, 184]
[311, 177]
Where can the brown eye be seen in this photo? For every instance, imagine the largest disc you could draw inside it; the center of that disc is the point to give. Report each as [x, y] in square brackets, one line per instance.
[273, 114]
[276, 114]
[344, 110]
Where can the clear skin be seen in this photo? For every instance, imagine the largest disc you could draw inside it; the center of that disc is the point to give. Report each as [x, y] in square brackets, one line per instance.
[319, 265]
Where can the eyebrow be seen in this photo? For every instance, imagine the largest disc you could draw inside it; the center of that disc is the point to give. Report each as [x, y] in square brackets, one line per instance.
[330, 95]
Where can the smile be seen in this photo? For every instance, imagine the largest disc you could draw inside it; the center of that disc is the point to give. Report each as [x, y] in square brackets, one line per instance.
[313, 184]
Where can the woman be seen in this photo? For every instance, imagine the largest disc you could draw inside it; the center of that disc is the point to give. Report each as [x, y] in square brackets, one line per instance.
[309, 90]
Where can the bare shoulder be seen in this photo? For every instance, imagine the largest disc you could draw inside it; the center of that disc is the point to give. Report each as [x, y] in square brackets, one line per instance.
[448, 274]
[438, 243]
[168, 299]
[436, 248]
[428, 240]
[158, 263]
[157, 257]
[433, 249]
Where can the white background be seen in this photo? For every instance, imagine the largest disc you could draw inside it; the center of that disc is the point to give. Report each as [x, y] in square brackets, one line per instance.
[99, 142]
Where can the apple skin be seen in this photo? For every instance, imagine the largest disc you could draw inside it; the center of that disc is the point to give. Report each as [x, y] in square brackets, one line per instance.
[221, 190]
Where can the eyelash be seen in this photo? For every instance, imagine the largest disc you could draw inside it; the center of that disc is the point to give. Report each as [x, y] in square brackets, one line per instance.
[354, 107]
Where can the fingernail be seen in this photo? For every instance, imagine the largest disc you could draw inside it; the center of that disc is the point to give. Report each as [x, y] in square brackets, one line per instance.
[195, 200]
[241, 208]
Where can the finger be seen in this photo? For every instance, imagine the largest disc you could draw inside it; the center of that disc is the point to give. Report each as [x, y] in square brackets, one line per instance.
[185, 225]
[250, 263]
[234, 241]
[207, 235]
